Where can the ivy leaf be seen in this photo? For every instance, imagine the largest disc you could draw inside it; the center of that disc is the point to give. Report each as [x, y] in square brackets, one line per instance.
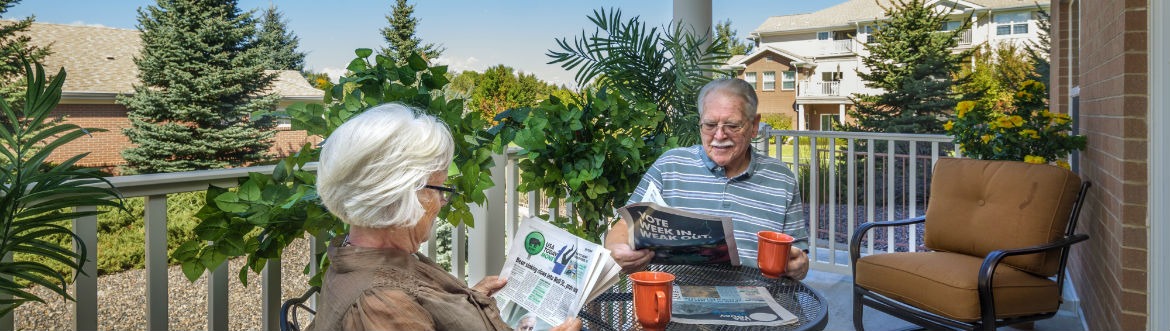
[229, 202]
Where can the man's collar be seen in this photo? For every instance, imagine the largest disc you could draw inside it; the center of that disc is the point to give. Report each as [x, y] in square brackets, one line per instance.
[719, 171]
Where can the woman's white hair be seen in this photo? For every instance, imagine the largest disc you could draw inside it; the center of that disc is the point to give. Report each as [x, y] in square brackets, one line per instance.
[373, 166]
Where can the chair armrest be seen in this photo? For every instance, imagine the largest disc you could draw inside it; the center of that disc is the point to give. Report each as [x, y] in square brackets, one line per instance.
[855, 242]
[991, 262]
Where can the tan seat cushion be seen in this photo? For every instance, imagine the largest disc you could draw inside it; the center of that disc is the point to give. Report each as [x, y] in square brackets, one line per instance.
[978, 206]
[947, 284]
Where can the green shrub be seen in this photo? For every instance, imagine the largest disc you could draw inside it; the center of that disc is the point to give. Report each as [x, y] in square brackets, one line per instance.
[777, 121]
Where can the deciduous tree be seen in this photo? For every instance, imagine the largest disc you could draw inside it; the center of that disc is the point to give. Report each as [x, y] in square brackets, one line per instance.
[201, 79]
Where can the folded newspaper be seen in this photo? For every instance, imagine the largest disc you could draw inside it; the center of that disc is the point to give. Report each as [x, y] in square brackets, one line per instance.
[551, 274]
[728, 305]
[680, 237]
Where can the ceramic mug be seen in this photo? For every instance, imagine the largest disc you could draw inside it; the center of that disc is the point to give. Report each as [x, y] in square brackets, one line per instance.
[652, 298]
[773, 252]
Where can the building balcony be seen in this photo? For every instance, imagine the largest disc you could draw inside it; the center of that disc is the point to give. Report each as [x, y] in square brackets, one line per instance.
[848, 179]
[819, 89]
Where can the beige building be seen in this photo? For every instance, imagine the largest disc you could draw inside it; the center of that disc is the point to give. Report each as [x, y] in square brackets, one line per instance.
[813, 58]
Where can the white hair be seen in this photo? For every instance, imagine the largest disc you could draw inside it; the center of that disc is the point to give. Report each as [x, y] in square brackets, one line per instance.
[732, 87]
[373, 166]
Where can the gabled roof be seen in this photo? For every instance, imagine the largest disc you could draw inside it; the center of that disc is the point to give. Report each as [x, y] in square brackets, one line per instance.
[854, 11]
[100, 61]
[742, 60]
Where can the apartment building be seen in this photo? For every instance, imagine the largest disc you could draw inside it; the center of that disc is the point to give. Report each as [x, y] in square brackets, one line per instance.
[805, 65]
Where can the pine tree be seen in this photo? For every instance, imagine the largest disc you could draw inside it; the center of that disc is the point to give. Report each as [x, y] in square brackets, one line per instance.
[277, 43]
[1038, 51]
[400, 38]
[201, 78]
[14, 45]
[913, 63]
[724, 32]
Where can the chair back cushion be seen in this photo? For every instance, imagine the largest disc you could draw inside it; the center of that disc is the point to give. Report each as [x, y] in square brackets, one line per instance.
[978, 206]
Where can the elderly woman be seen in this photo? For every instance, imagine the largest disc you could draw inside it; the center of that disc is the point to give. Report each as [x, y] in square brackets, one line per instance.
[382, 172]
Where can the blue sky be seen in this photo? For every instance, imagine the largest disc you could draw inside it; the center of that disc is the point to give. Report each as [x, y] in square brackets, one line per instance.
[477, 34]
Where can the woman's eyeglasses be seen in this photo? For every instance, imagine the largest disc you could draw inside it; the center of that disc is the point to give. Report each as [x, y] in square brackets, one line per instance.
[447, 193]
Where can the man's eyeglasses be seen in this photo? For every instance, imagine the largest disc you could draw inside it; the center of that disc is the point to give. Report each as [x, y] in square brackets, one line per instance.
[709, 128]
[447, 193]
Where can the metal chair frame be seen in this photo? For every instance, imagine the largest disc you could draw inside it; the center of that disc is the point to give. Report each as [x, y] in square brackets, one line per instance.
[288, 310]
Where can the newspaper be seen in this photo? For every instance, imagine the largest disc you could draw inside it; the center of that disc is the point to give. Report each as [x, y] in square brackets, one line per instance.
[728, 305]
[680, 237]
[551, 274]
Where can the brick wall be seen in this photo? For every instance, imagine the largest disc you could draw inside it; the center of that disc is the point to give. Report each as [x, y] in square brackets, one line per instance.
[105, 148]
[1106, 52]
[777, 101]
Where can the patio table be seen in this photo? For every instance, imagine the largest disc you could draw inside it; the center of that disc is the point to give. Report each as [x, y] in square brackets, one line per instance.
[614, 309]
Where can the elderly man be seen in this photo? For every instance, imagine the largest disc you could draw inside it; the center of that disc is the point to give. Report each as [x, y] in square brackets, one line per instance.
[724, 176]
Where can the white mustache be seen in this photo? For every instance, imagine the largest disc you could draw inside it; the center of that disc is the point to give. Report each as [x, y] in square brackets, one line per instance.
[725, 143]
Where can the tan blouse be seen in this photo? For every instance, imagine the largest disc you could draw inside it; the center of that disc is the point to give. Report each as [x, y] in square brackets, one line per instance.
[390, 289]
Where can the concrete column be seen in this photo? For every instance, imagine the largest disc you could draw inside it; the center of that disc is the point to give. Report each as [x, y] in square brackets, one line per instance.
[695, 14]
[800, 121]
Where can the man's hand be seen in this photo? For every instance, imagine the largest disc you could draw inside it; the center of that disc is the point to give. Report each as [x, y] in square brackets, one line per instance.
[630, 260]
[571, 324]
[797, 263]
[490, 285]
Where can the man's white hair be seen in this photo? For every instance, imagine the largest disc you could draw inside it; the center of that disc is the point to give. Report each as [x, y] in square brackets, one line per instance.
[373, 166]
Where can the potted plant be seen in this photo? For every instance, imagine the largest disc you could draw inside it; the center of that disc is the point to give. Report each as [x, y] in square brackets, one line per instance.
[1024, 130]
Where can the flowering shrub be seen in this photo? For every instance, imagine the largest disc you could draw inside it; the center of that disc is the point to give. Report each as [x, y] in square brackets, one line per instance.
[1025, 131]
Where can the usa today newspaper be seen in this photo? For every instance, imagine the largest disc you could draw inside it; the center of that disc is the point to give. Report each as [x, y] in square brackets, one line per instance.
[551, 274]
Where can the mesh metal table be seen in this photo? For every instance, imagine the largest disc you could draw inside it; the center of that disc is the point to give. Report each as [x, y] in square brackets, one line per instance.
[614, 309]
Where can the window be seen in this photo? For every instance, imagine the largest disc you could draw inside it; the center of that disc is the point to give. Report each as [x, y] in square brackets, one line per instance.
[823, 35]
[789, 81]
[950, 26]
[769, 80]
[868, 32]
[832, 76]
[750, 77]
[1012, 23]
[828, 121]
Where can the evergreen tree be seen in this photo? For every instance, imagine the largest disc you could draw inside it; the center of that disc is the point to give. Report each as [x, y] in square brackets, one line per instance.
[14, 44]
[201, 79]
[400, 38]
[277, 43]
[724, 33]
[1038, 50]
[913, 63]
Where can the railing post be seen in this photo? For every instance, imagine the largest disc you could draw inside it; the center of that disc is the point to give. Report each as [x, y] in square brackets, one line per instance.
[485, 253]
[155, 228]
[85, 285]
[217, 298]
[270, 295]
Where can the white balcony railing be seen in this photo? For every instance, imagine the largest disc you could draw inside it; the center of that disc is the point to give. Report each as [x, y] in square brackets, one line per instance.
[965, 37]
[841, 46]
[820, 89]
[891, 171]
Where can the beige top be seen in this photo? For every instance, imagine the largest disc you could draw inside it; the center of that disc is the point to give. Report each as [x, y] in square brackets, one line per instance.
[390, 289]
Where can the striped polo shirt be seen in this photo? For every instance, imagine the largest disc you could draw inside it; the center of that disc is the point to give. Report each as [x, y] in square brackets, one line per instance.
[765, 197]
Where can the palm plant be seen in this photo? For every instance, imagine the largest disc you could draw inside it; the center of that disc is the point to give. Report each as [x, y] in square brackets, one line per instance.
[645, 65]
[37, 202]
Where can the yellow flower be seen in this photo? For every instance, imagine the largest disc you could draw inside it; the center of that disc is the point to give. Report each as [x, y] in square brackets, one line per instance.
[1017, 120]
[963, 107]
[1003, 122]
[1062, 164]
[1061, 119]
[986, 138]
[948, 125]
[1034, 159]
[1030, 133]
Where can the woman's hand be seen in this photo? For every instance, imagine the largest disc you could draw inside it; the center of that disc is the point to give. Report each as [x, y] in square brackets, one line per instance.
[571, 324]
[797, 263]
[490, 285]
[630, 260]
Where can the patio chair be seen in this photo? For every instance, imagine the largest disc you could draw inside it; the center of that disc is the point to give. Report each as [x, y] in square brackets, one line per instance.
[997, 234]
[288, 310]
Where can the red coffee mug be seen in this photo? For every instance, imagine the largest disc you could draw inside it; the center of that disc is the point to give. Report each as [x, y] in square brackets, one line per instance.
[773, 252]
[652, 298]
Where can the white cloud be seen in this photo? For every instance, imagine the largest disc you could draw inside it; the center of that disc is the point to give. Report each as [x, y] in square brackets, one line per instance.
[82, 23]
[334, 73]
[457, 64]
